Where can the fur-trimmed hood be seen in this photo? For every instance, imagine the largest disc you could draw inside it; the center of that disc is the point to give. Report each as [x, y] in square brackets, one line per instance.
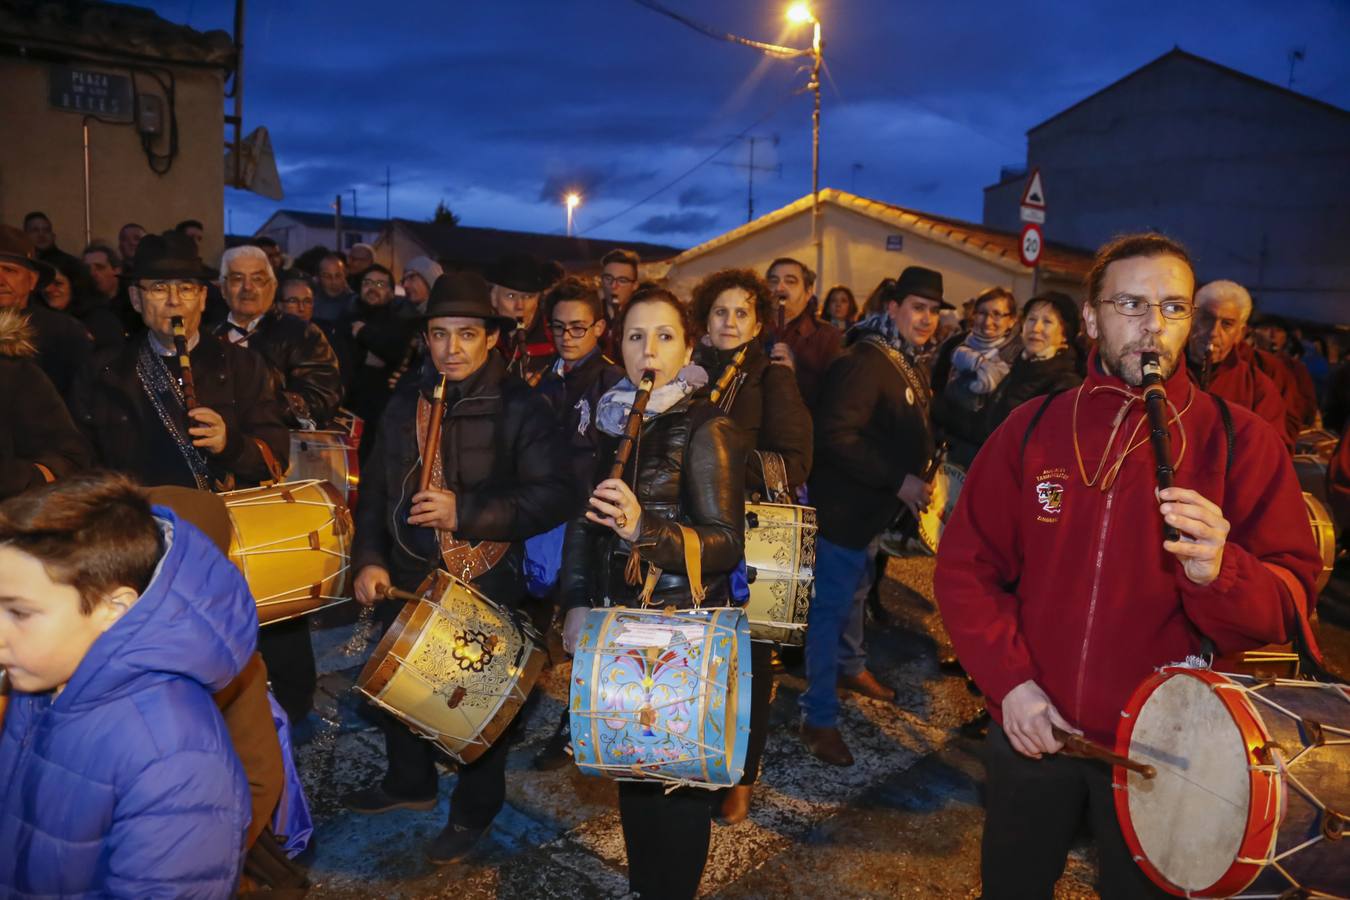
[16, 334]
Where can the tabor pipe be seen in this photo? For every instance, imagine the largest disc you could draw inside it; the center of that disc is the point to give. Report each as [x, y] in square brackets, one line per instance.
[1155, 405]
[184, 362]
[633, 425]
[433, 435]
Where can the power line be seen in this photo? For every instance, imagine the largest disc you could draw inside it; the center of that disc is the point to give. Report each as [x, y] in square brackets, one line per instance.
[709, 158]
[770, 49]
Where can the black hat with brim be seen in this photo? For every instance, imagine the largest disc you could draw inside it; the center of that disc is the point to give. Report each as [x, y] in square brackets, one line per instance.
[522, 272]
[15, 247]
[464, 295]
[920, 282]
[171, 256]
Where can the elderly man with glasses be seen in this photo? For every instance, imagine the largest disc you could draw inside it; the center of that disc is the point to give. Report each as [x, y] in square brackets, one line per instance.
[303, 365]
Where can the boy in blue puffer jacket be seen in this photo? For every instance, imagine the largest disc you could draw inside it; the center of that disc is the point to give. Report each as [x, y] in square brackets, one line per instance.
[117, 622]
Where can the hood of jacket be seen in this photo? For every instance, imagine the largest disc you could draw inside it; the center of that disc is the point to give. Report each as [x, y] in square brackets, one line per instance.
[196, 619]
[16, 334]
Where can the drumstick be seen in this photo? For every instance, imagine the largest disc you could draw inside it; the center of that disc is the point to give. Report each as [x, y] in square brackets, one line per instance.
[1077, 745]
[433, 436]
[184, 363]
[389, 592]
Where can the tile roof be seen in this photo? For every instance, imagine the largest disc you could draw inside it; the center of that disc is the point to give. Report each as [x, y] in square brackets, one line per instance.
[114, 29]
[468, 246]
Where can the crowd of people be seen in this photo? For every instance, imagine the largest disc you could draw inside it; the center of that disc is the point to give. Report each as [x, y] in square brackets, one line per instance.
[136, 365]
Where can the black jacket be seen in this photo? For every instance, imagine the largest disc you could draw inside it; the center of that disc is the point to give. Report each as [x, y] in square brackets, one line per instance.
[871, 431]
[769, 408]
[63, 343]
[377, 351]
[111, 408]
[303, 366]
[574, 397]
[99, 319]
[688, 467]
[501, 448]
[1029, 378]
[35, 428]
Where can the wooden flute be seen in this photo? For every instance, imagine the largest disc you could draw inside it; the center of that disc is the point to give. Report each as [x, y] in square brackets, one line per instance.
[634, 424]
[433, 436]
[184, 363]
[724, 381]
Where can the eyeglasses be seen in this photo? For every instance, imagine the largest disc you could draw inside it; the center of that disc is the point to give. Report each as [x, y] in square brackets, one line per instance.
[987, 314]
[375, 282]
[1138, 306]
[575, 332]
[299, 301]
[159, 291]
[621, 280]
[258, 280]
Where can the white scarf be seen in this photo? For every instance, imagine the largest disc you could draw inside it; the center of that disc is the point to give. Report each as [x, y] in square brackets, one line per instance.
[614, 407]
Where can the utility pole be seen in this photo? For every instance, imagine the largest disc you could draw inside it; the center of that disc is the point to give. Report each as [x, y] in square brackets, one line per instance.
[1296, 55]
[337, 222]
[387, 182]
[356, 211]
[853, 177]
[750, 170]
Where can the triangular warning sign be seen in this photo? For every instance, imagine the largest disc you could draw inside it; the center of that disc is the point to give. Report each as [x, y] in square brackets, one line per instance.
[1034, 195]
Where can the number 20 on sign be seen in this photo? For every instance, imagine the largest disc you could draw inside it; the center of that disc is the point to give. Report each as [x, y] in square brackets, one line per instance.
[1031, 244]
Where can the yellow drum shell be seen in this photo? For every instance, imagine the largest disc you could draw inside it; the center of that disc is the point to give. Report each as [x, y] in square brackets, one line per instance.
[780, 556]
[1324, 532]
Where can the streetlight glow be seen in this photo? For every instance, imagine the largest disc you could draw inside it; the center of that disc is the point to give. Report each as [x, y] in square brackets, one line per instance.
[800, 14]
[573, 200]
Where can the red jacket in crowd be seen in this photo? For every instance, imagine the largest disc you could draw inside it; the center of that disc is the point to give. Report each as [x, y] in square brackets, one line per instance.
[1240, 381]
[1041, 577]
[815, 343]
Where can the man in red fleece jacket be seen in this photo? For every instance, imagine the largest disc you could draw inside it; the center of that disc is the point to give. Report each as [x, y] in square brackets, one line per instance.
[1059, 590]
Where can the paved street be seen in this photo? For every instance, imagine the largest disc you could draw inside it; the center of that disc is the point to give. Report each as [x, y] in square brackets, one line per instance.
[903, 822]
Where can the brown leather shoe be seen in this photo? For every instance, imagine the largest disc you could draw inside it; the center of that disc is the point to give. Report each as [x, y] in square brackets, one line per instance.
[736, 804]
[826, 745]
[866, 684]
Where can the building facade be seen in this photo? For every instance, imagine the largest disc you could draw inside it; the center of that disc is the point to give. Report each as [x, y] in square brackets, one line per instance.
[296, 231]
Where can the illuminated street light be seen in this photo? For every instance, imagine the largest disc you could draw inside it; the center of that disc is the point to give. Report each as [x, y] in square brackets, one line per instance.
[800, 14]
[573, 200]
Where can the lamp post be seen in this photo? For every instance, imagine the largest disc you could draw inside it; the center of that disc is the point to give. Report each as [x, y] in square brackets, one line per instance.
[800, 14]
[573, 200]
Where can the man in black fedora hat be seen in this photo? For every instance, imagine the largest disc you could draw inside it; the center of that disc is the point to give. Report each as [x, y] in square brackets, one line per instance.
[502, 477]
[133, 404]
[873, 441]
[63, 344]
[518, 281]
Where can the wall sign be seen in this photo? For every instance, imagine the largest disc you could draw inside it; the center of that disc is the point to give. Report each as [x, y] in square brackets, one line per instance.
[895, 242]
[92, 93]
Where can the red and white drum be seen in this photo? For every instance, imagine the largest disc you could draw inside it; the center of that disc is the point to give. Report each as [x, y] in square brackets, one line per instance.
[1252, 788]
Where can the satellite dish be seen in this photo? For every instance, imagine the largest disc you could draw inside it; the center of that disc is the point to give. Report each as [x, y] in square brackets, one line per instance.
[258, 166]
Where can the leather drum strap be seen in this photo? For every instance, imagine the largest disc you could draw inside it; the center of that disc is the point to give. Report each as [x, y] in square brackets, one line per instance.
[693, 569]
[270, 461]
[775, 475]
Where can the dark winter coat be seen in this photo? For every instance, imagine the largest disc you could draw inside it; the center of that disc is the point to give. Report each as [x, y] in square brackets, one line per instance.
[501, 448]
[63, 344]
[574, 397]
[303, 366]
[35, 428]
[1028, 378]
[377, 351]
[126, 784]
[768, 407]
[871, 431]
[815, 343]
[687, 468]
[111, 408]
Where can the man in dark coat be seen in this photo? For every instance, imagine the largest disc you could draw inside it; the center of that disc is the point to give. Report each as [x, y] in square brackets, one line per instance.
[806, 343]
[303, 365]
[379, 342]
[518, 282]
[873, 441]
[63, 344]
[38, 441]
[499, 482]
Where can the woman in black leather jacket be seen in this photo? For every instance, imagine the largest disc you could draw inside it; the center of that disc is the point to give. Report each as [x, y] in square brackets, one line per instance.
[687, 469]
[764, 401]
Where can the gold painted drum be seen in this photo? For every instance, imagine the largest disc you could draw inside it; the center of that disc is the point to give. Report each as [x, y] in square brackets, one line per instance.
[1312, 475]
[780, 560]
[1316, 442]
[326, 456]
[455, 669]
[1324, 532]
[293, 542]
[947, 483]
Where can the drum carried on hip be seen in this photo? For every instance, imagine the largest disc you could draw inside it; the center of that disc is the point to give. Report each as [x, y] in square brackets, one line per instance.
[780, 560]
[293, 543]
[662, 696]
[1324, 532]
[1252, 787]
[947, 483]
[455, 668]
[326, 456]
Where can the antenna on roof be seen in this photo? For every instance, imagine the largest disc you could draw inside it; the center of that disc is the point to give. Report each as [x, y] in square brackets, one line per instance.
[1296, 56]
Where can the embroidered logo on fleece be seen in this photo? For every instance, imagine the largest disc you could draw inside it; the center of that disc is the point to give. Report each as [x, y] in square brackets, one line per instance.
[1050, 494]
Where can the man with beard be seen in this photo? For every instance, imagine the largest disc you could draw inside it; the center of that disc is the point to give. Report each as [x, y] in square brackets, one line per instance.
[303, 365]
[873, 442]
[1061, 590]
[806, 342]
[379, 342]
[498, 482]
[335, 297]
[1221, 360]
[132, 403]
[518, 280]
[63, 344]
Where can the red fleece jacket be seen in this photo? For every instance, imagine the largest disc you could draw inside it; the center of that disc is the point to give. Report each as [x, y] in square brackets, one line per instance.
[1239, 380]
[1040, 577]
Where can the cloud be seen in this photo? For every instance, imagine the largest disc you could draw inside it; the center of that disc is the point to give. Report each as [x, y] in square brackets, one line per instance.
[677, 223]
[698, 196]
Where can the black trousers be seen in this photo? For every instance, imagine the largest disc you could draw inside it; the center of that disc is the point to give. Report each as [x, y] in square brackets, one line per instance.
[289, 654]
[666, 836]
[761, 691]
[1033, 809]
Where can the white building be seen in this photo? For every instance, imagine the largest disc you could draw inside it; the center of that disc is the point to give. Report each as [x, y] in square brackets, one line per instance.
[296, 231]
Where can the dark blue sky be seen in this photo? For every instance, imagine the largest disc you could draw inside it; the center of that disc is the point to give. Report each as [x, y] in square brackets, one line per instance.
[498, 107]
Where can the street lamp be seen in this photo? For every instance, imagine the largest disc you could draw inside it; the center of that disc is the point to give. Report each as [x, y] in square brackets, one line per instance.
[800, 14]
[573, 200]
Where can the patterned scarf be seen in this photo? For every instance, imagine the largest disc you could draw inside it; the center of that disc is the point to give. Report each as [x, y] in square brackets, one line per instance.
[166, 396]
[613, 408]
[911, 361]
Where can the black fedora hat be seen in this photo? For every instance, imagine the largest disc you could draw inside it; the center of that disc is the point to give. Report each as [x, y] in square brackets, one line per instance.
[523, 272]
[464, 295]
[15, 247]
[171, 255]
[920, 282]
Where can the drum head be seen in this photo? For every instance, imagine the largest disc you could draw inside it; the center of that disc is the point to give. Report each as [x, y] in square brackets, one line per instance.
[1189, 821]
[946, 489]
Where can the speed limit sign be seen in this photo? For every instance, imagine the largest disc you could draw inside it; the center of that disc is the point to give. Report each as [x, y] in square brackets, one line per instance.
[1031, 244]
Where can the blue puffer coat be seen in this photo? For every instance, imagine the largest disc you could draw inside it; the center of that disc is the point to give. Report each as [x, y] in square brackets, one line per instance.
[127, 785]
